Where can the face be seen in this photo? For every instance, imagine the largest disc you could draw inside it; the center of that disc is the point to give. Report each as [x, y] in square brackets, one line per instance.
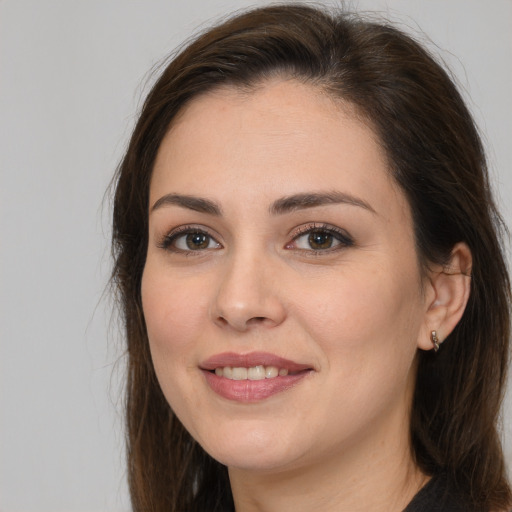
[281, 292]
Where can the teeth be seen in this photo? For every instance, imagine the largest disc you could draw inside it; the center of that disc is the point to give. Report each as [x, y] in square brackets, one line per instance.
[271, 372]
[256, 373]
[239, 373]
[259, 372]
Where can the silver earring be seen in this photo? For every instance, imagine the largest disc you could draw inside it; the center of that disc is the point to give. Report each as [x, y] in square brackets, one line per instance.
[435, 340]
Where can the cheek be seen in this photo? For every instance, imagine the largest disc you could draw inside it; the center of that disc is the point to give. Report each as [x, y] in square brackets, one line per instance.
[368, 327]
[367, 332]
[175, 316]
[174, 312]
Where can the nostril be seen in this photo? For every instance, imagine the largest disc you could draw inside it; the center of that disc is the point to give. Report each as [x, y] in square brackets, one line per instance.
[257, 320]
[221, 320]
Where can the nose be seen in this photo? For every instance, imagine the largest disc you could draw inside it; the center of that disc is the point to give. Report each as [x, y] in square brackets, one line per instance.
[248, 295]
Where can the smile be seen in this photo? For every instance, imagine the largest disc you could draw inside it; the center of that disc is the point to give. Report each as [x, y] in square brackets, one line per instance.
[259, 372]
[252, 377]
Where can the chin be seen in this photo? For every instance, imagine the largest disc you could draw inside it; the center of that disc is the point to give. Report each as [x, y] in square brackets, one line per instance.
[251, 449]
[253, 460]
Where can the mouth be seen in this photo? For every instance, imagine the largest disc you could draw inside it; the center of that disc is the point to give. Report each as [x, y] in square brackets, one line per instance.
[252, 377]
[258, 372]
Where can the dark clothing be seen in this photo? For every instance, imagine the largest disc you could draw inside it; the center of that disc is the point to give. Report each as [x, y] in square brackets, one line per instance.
[439, 495]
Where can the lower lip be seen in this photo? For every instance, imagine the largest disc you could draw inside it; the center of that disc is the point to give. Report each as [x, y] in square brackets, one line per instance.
[250, 391]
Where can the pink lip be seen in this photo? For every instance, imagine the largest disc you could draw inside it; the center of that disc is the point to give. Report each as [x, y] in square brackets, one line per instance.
[252, 359]
[250, 391]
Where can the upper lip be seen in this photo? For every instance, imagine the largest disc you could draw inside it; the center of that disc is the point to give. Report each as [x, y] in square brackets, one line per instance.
[252, 359]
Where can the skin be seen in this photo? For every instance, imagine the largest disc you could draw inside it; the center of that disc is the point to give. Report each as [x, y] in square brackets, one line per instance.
[356, 313]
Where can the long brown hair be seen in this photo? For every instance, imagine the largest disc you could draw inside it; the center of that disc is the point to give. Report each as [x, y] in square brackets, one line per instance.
[436, 156]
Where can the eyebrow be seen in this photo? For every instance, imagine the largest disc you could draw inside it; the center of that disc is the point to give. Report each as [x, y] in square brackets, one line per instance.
[279, 207]
[303, 201]
[198, 204]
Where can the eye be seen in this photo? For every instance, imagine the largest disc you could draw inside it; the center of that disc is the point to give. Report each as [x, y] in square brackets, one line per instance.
[320, 238]
[189, 239]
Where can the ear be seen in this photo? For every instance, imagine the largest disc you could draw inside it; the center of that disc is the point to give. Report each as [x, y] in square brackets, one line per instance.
[446, 295]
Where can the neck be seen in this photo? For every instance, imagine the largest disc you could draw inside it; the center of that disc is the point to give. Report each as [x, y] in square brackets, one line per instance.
[375, 473]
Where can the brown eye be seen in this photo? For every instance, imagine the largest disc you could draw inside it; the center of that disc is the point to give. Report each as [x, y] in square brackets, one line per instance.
[319, 239]
[189, 240]
[197, 241]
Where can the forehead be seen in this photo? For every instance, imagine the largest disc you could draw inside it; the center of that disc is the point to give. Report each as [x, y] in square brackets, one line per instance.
[276, 139]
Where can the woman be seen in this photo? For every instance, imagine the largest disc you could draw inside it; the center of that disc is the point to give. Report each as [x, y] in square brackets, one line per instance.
[308, 260]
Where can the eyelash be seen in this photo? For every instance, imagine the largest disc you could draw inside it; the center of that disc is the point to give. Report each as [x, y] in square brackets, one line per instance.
[338, 234]
[168, 241]
[344, 240]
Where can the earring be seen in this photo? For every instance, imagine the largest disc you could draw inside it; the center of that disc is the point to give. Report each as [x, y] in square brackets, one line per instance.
[435, 340]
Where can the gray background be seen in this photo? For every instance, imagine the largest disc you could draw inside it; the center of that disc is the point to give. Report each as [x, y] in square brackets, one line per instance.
[71, 77]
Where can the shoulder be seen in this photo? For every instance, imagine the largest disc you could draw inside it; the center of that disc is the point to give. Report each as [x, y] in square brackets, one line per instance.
[439, 495]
